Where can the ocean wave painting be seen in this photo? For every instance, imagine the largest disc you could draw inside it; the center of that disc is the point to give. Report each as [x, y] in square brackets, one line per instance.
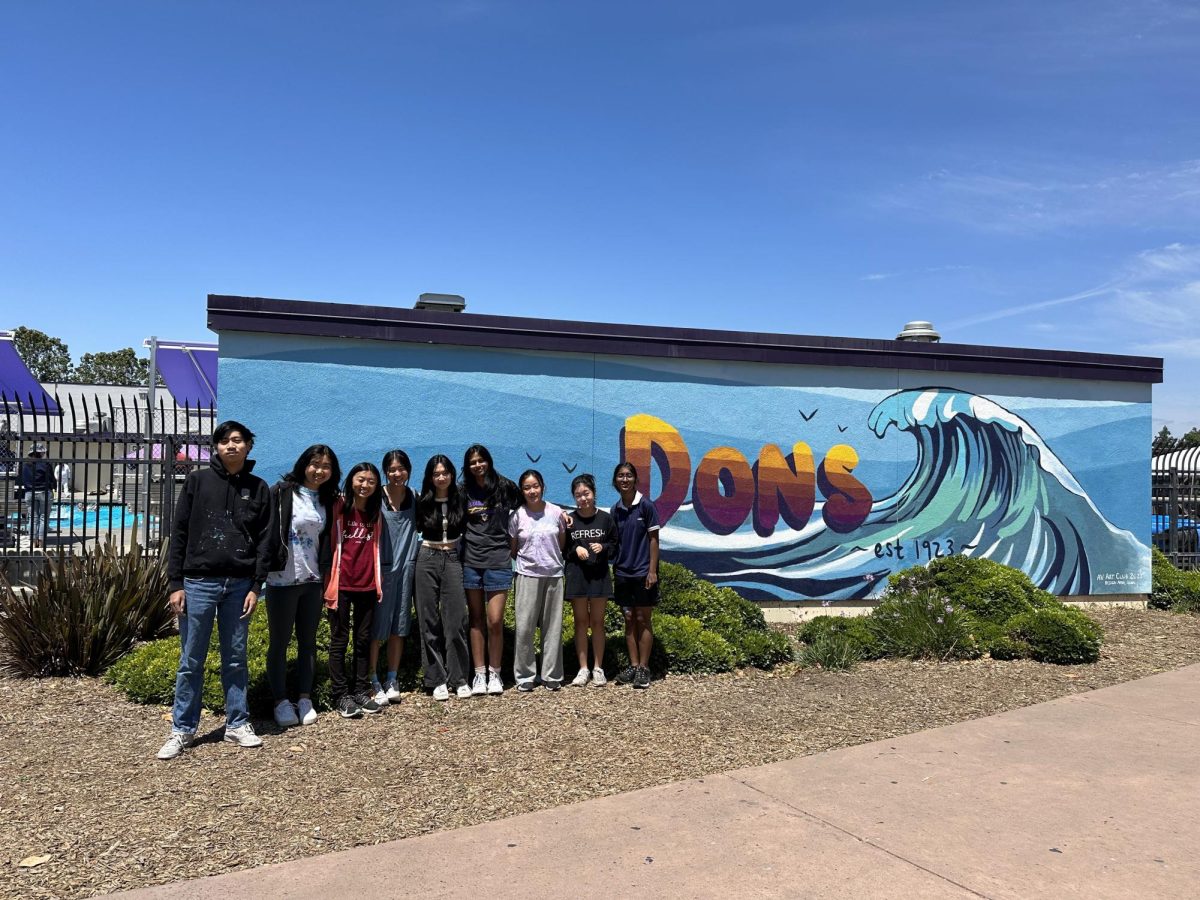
[984, 484]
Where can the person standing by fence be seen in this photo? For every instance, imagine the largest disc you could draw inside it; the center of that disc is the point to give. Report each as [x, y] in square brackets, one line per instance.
[36, 483]
[220, 554]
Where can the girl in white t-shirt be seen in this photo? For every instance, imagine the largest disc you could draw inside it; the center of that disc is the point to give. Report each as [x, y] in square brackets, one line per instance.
[538, 531]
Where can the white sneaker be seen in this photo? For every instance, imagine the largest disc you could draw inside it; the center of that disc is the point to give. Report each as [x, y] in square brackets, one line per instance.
[380, 696]
[441, 692]
[392, 691]
[176, 744]
[285, 714]
[581, 678]
[598, 679]
[308, 715]
[463, 692]
[479, 685]
[243, 736]
[495, 685]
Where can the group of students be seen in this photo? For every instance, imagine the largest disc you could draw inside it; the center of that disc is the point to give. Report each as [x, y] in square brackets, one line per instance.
[366, 554]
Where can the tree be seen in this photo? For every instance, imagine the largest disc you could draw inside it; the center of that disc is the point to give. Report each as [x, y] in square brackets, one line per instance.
[47, 357]
[121, 367]
[1163, 442]
[1191, 439]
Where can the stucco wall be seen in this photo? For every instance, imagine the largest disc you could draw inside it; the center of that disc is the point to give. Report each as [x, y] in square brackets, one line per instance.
[787, 482]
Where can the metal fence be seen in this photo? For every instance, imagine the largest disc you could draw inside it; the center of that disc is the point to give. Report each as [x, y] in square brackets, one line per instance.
[1175, 506]
[116, 464]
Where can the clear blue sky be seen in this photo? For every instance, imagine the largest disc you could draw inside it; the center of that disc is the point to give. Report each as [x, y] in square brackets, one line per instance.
[1022, 173]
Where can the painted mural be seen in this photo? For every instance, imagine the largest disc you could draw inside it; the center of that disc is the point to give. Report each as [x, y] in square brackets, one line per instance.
[787, 483]
[983, 484]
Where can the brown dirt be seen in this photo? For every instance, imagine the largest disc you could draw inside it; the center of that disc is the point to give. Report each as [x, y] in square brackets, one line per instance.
[79, 782]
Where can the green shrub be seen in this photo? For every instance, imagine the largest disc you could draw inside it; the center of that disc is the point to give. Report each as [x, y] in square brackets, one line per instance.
[689, 648]
[1001, 610]
[85, 612]
[1173, 588]
[831, 650]
[147, 675]
[1004, 647]
[1063, 636]
[989, 591]
[725, 631]
[721, 610]
[854, 629]
[922, 623]
[765, 649]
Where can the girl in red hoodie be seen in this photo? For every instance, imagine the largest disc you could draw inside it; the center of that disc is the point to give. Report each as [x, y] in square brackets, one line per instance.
[353, 587]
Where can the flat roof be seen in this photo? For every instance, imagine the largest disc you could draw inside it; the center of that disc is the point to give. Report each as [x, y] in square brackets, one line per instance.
[419, 326]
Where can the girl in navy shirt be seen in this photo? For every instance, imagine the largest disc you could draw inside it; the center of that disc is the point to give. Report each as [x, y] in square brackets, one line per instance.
[635, 572]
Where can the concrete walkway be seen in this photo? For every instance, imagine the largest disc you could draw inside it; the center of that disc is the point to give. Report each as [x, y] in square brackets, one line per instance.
[1095, 795]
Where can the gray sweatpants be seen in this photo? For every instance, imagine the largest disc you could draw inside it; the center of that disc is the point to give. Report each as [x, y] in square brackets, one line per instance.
[539, 601]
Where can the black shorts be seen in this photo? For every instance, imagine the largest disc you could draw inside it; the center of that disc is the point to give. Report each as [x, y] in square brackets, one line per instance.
[633, 592]
[591, 582]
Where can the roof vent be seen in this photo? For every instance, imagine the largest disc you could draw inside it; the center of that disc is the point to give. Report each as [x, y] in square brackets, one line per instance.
[919, 331]
[441, 302]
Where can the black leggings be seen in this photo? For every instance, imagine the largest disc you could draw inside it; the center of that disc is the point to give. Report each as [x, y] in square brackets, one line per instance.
[359, 605]
[293, 607]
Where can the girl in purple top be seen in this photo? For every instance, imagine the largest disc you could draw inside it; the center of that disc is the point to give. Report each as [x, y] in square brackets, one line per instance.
[538, 533]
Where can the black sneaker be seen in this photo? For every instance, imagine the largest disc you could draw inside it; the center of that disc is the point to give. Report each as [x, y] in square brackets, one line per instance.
[366, 704]
[626, 675]
[552, 685]
[525, 687]
[348, 709]
[642, 678]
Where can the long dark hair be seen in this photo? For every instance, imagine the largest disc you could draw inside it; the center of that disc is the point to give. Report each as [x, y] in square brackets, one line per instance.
[428, 513]
[329, 488]
[499, 491]
[374, 502]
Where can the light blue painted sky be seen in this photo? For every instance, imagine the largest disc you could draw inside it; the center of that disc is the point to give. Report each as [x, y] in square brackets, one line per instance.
[1024, 173]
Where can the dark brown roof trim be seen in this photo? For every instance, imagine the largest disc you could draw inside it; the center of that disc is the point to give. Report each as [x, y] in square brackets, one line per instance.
[385, 323]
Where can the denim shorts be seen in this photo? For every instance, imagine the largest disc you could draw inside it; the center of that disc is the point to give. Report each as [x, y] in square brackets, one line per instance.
[489, 580]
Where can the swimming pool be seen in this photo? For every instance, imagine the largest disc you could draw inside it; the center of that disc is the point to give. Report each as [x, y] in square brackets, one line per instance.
[68, 517]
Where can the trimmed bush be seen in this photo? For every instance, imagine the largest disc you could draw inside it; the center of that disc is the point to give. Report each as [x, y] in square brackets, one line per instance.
[831, 650]
[999, 609]
[721, 610]
[855, 630]
[766, 649]
[689, 647]
[85, 612]
[988, 590]
[1065, 636]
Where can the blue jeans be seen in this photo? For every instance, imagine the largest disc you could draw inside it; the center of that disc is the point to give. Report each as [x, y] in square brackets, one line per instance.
[39, 504]
[207, 599]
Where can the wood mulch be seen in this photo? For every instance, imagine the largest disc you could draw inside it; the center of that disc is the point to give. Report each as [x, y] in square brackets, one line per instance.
[79, 782]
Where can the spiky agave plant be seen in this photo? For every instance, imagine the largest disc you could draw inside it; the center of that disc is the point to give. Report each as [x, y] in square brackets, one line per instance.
[85, 612]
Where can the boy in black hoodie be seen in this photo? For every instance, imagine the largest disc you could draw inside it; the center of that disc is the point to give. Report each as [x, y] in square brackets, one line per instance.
[220, 555]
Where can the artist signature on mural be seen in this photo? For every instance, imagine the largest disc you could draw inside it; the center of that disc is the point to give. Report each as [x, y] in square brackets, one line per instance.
[1117, 579]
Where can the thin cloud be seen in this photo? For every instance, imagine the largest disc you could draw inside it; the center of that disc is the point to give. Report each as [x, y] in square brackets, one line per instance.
[1008, 312]
[1047, 200]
